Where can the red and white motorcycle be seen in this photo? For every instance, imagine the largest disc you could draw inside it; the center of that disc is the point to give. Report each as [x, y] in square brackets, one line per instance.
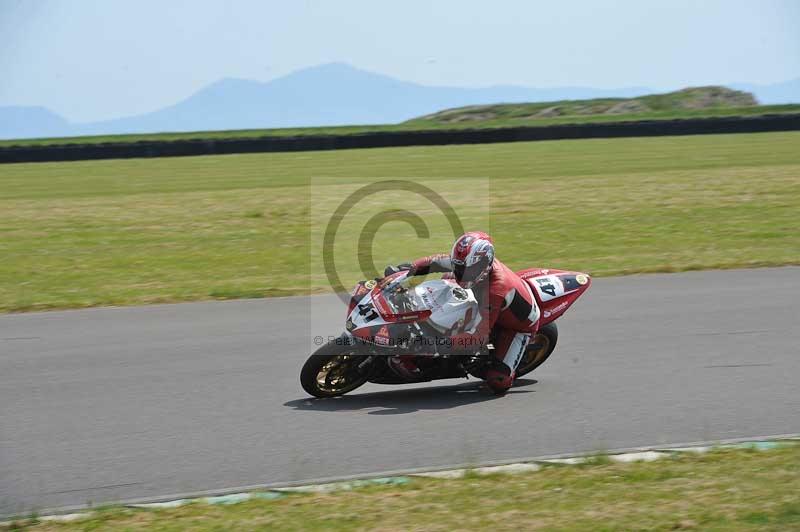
[402, 315]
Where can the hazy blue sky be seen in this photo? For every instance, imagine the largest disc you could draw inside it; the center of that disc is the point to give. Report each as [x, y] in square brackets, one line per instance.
[95, 59]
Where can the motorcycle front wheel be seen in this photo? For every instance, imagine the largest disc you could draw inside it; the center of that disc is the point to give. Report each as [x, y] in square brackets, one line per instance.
[333, 370]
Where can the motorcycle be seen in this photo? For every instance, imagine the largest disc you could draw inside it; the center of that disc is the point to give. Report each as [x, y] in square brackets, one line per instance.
[403, 315]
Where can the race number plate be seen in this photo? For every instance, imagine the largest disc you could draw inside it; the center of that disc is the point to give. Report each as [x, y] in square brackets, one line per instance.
[549, 287]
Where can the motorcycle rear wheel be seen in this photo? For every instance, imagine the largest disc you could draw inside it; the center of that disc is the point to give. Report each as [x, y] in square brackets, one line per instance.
[539, 349]
[333, 370]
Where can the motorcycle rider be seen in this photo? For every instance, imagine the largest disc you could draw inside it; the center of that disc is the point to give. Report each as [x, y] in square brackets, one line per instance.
[507, 306]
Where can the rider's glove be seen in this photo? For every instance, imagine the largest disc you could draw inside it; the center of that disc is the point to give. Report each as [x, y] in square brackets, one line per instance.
[391, 270]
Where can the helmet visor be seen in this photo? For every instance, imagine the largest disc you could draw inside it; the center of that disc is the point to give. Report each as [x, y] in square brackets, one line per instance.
[464, 274]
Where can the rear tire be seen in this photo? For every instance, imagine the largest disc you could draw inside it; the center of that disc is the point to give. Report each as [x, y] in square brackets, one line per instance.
[333, 370]
[539, 349]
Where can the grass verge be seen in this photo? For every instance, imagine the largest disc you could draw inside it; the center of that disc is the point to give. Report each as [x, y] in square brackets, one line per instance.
[123, 232]
[723, 490]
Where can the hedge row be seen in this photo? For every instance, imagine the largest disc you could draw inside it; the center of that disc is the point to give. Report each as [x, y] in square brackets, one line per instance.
[383, 139]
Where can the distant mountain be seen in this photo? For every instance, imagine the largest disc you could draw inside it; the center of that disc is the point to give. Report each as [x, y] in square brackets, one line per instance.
[331, 94]
[22, 122]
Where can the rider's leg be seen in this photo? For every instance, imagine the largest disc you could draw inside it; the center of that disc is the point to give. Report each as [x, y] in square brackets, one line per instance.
[405, 366]
[509, 348]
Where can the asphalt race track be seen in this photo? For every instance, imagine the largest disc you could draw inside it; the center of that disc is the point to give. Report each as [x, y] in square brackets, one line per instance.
[113, 404]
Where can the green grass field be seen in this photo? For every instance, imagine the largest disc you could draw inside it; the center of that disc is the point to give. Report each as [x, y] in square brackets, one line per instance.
[510, 119]
[123, 232]
[723, 490]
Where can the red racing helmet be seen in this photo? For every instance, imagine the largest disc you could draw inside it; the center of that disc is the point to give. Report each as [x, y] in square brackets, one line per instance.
[472, 257]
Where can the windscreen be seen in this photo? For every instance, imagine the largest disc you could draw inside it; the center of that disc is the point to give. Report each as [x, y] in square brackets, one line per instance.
[400, 296]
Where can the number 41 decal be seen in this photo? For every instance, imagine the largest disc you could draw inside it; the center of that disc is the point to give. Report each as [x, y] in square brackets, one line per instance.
[368, 312]
[547, 287]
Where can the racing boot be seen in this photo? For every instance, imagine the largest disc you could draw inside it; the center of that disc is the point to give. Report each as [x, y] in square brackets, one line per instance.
[511, 347]
[499, 378]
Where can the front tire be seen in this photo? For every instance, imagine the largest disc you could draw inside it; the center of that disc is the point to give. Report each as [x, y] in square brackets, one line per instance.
[539, 349]
[333, 370]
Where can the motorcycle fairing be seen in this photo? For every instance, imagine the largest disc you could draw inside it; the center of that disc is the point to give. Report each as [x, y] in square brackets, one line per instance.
[555, 290]
[453, 309]
[383, 313]
[367, 323]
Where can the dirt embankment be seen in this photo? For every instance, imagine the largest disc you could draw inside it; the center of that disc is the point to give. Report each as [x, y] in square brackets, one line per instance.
[690, 99]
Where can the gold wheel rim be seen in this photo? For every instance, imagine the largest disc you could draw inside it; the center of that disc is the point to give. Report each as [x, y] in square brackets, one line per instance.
[536, 356]
[333, 376]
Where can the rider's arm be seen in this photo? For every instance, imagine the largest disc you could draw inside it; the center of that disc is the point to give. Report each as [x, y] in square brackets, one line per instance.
[431, 264]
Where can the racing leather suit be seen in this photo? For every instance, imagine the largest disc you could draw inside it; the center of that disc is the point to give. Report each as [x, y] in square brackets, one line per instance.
[507, 307]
